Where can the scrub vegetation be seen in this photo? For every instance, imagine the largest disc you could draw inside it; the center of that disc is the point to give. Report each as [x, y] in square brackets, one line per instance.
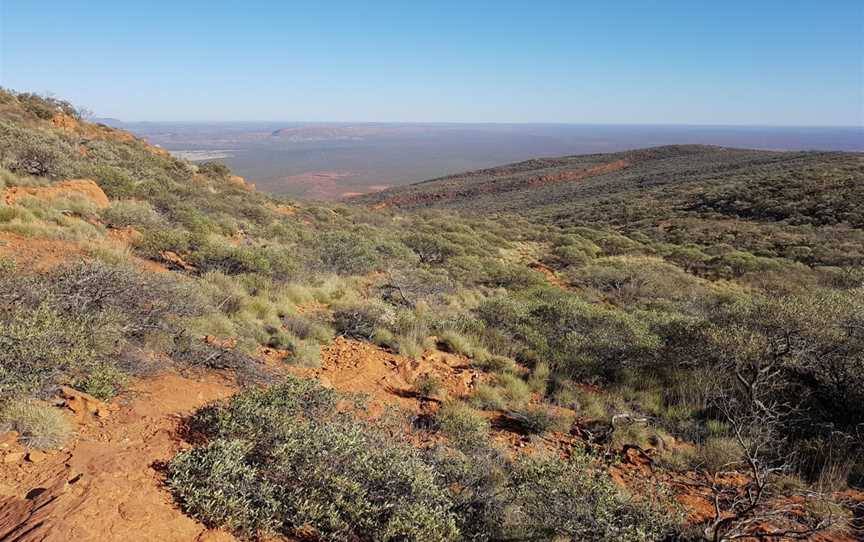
[706, 296]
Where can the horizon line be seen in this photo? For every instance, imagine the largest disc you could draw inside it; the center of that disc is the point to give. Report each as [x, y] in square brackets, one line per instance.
[479, 123]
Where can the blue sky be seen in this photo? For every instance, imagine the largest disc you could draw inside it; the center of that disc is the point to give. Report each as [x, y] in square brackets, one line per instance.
[757, 62]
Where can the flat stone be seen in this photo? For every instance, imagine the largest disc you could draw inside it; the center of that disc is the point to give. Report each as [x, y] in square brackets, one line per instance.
[8, 439]
[36, 456]
[13, 457]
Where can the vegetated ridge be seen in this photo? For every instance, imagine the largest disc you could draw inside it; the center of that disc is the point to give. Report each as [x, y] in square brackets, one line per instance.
[673, 353]
[804, 206]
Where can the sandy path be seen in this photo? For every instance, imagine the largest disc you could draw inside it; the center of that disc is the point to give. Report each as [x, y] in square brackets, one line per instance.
[106, 484]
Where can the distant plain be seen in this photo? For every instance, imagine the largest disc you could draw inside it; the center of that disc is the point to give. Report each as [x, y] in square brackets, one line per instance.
[335, 160]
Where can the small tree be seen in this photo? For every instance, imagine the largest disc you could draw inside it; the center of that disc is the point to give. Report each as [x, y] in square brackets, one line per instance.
[754, 403]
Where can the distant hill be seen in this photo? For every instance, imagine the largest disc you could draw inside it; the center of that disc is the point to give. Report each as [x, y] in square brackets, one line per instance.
[763, 201]
[325, 132]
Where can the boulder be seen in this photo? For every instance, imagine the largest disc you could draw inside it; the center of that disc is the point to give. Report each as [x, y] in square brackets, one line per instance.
[36, 456]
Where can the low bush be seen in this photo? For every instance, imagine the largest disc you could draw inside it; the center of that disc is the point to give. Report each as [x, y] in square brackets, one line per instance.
[488, 397]
[348, 253]
[41, 348]
[307, 354]
[463, 426]
[359, 321]
[31, 152]
[514, 390]
[719, 454]
[538, 381]
[558, 499]
[451, 341]
[125, 213]
[538, 420]
[282, 460]
[428, 385]
[70, 325]
[38, 425]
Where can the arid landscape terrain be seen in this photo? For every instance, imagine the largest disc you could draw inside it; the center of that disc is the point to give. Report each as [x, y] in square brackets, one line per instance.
[655, 344]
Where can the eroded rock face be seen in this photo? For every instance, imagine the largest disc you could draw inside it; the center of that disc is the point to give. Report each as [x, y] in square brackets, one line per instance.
[24, 519]
[73, 187]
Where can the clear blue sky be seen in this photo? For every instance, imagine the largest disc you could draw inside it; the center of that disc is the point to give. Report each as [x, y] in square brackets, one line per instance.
[696, 62]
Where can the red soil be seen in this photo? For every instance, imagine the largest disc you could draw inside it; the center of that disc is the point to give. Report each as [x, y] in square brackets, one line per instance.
[389, 379]
[38, 254]
[73, 187]
[579, 174]
[550, 275]
[106, 483]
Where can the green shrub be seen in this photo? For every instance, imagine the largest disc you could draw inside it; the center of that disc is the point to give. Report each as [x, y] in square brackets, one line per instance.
[488, 397]
[431, 249]
[451, 341]
[214, 170]
[503, 274]
[384, 338]
[558, 499]
[40, 348]
[428, 385]
[538, 420]
[39, 425]
[218, 485]
[462, 425]
[32, 152]
[496, 364]
[124, 213]
[45, 107]
[514, 390]
[583, 402]
[348, 253]
[307, 354]
[359, 321]
[300, 465]
[7, 266]
[70, 325]
[719, 454]
[217, 254]
[281, 340]
[538, 381]
[103, 381]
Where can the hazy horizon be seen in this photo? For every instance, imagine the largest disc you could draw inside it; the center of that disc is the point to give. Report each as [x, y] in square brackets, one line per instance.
[99, 118]
[331, 160]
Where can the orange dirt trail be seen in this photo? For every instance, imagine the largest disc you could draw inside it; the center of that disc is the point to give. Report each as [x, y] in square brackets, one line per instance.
[106, 485]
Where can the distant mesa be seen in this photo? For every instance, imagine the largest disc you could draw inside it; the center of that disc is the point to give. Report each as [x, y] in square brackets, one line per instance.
[200, 156]
[326, 133]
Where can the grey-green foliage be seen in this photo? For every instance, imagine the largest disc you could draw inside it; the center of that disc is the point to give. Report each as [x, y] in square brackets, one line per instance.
[285, 460]
[292, 462]
[576, 337]
[35, 152]
[568, 499]
[37, 424]
[41, 347]
[542, 497]
[70, 325]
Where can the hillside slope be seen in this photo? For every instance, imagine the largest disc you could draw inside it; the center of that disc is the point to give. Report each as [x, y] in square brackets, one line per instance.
[808, 206]
[676, 374]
